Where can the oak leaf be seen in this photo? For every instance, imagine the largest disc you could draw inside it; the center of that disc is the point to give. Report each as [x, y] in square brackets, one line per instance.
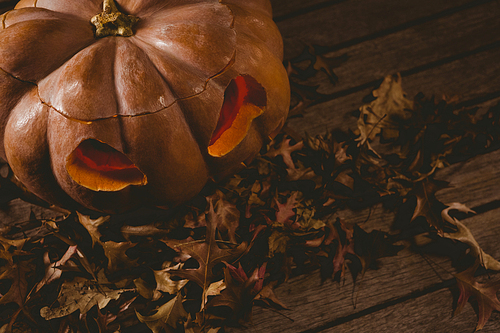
[81, 294]
[208, 254]
[285, 150]
[379, 115]
[485, 294]
[92, 226]
[286, 212]
[464, 235]
[6, 252]
[19, 288]
[117, 258]
[228, 215]
[165, 283]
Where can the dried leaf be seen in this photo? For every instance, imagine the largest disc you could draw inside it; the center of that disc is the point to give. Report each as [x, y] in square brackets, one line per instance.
[117, 258]
[207, 253]
[465, 236]
[228, 216]
[92, 226]
[278, 242]
[103, 320]
[268, 297]
[81, 294]
[167, 316]
[165, 283]
[240, 290]
[53, 270]
[485, 294]
[285, 150]
[19, 288]
[390, 103]
[146, 290]
[286, 212]
[215, 289]
[426, 202]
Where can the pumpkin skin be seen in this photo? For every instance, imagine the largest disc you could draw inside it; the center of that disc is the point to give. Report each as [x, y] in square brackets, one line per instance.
[149, 103]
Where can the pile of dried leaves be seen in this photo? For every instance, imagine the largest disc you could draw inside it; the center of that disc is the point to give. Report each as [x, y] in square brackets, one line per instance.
[204, 265]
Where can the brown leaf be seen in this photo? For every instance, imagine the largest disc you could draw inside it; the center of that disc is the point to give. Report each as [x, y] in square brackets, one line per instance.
[268, 297]
[117, 258]
[240, 290]
[465, 236]
[6, 252]
[227, 214]
[19, 288]
[286, 212]
[390, 103]
[53, 270]
[81, 294]
[426, 201]
[339, 264]
[166, 317]
[165, 283]
[146, 230]
[285, 150]
[485, 294]
[92, 226]
[207, 253]
[104, 319]
[278, 242]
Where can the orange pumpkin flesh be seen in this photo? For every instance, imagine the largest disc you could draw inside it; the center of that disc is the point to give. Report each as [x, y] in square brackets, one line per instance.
[244, 100]
[99, 167]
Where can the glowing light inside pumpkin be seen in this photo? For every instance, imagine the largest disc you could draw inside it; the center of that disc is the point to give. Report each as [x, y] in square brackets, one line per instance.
[244, 100]
[99, 167]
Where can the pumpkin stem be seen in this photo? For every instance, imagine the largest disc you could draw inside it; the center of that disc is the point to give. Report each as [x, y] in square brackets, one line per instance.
[112, 22]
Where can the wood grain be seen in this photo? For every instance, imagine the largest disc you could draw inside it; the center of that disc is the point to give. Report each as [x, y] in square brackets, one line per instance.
[428, 313]
[284, 10]
[413, 49]
[351, 22]
[479, 73]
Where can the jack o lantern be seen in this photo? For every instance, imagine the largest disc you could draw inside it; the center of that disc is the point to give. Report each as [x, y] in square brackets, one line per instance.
[113, 104]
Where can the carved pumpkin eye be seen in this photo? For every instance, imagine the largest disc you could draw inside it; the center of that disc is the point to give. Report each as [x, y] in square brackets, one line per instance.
[244, 100]
[99, 167]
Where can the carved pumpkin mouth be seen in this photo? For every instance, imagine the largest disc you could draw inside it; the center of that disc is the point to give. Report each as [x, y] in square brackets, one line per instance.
[99, 167]
[244, 100]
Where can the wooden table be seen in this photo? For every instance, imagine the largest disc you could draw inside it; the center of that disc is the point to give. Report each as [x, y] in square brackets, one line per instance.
[449, 47]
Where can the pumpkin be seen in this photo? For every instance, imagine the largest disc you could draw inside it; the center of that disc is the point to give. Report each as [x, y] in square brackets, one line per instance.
[114, 104]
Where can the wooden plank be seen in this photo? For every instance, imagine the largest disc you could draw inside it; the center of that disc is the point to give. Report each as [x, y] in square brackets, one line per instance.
[353, 21]
[283, 10]
[413, 49]
[471, 77]
[316, 306]
[429, 313]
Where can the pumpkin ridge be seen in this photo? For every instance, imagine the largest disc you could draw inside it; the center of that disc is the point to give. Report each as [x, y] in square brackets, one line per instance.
[18, 78]
[4, 17]
[232, 14]
[228, 66]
